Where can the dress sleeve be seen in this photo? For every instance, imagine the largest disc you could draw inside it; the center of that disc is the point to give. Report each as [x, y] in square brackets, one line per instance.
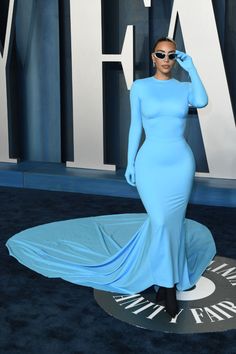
[197, 96]
[135, 130]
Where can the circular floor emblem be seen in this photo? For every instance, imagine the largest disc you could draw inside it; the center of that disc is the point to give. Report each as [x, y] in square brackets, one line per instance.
[209, 307]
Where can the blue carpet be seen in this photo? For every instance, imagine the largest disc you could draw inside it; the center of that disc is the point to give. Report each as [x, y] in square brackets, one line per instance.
[41, 315]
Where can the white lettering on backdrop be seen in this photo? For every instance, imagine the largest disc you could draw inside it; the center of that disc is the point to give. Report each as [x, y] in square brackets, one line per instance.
[4, 135]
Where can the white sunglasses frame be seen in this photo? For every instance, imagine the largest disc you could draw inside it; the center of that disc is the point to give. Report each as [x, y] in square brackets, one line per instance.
[166, 54]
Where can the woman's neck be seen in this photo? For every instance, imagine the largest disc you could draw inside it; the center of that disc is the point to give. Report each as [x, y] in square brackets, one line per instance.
[161, 76]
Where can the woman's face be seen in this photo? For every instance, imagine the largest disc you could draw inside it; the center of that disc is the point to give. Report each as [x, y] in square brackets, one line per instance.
[165, 65]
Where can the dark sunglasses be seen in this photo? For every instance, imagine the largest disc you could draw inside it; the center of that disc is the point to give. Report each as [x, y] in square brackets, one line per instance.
[161, 55]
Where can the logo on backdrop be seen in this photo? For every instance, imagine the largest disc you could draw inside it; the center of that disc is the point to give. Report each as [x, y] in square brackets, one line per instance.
[209, 307]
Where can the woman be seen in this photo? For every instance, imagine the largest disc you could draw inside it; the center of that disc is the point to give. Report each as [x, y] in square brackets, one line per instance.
[164, 167]
[127, 253]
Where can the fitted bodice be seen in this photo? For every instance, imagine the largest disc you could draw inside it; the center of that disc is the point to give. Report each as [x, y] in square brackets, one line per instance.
[163, 106]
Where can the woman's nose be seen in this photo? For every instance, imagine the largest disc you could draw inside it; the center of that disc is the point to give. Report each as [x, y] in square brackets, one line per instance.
[166, 58]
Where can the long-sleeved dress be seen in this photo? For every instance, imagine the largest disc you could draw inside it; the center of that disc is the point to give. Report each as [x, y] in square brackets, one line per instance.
[127, 253]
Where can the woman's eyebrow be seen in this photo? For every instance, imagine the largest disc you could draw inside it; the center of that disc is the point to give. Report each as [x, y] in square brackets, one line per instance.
[170, 51]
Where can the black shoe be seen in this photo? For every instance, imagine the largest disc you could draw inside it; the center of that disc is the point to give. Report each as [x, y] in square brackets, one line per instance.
[193, 287]
[161, 294]
[171, 304]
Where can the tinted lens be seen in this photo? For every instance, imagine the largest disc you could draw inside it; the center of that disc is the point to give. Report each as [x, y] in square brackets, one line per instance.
[172, 56]
[160, 55]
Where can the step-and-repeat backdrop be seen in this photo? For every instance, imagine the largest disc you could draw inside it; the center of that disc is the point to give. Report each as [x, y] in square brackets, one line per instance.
[66, 68]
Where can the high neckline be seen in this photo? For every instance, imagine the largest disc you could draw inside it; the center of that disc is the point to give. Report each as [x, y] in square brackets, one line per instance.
[159, 80]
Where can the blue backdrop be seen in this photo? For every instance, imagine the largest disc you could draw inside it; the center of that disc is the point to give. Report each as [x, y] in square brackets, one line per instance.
[39, 74]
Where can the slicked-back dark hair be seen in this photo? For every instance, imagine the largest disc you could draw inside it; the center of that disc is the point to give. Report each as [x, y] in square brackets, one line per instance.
[163, 39]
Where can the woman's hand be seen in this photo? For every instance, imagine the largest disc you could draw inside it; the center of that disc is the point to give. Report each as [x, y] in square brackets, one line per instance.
[130, 175]
[184, 60]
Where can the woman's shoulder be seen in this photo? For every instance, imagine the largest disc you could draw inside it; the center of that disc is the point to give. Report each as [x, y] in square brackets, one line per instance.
[183, 83]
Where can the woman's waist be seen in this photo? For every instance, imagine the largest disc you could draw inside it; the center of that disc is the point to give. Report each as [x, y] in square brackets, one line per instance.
[165, 129]
[165, 138]
[166, 150]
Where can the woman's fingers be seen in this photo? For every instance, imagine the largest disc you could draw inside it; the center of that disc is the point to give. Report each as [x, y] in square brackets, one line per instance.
[181, 55]
[178, 52]
[130, 179]
[178, 60]
[131, 183]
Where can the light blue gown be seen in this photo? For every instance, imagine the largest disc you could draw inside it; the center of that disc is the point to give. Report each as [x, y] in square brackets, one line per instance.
[127, 253]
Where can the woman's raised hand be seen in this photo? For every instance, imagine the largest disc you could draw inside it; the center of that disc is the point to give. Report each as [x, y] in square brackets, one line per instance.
[184, 60]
